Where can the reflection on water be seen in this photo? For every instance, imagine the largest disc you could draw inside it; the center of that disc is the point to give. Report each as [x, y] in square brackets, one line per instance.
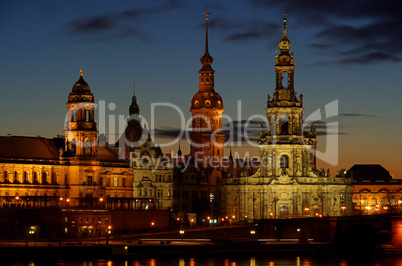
[253, 261]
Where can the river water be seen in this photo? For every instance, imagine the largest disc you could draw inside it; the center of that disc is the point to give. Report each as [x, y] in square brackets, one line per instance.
[244, 261]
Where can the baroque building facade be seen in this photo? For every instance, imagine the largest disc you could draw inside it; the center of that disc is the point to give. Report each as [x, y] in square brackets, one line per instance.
[375, 190]
[287, 182]
[75, 170]
[153, 177]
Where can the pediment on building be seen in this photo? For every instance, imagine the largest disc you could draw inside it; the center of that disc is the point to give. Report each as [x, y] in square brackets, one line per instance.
[385, 190]
[365, 190]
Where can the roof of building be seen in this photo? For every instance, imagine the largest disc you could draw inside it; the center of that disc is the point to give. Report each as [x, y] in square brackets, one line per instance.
[17, 147]
[368, 171]
[39, 148]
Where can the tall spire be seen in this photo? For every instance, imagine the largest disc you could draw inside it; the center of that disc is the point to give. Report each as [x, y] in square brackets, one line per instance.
[284, 43]
[284, 26]
[206, 74]
[134, 108]
[206, 32]
[81, 73]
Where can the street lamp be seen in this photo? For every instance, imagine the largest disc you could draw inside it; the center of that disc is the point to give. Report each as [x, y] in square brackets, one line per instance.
[181, 235]
[108, 232]
[211, 200]
[252, 233]
[343, 210]
[368, 208]
[306, 210]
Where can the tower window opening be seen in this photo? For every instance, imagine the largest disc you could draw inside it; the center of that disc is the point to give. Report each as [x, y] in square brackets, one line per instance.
[202, 80]
[87, 116]
[87, 147]
[285, 80]
[285, 124]
[284, 161]
[74, 116]
[73, 146]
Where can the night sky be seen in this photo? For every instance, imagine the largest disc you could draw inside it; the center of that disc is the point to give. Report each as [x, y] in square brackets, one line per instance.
[345, 50]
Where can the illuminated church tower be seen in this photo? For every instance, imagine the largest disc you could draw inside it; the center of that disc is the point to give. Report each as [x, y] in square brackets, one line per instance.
[206, 108]
[80, 129]
[284, 148]
[287, 184]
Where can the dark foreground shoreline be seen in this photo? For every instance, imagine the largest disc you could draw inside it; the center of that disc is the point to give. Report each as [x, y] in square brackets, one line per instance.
[161, 250]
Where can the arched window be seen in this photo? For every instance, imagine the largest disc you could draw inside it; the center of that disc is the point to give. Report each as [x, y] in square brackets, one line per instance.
[383, 201]
[5, 177]
[284, 161]
[54, 178]
[16, 179]
[74, 116]
[44, 178]
[87, 147]
[356, 200]
[374, 201]
[73, 146]
[26, 177]
[35, 178]
[392, 201]
[285, 78]
[364, 203]
[87, 116]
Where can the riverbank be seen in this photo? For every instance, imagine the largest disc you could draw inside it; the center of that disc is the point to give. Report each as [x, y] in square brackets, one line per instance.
[165, 249]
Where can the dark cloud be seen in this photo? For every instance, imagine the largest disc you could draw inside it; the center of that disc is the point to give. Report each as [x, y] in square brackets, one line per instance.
[326, 133]
[357, 115]
[166, 132]
[112, 26]
[237, 131]
[356, 32]
[96, 23]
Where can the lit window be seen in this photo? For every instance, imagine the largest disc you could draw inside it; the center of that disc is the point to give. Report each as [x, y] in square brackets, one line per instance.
[115, 182]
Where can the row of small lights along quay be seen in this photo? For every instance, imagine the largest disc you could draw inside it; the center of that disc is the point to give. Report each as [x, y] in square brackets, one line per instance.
[60, 199]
